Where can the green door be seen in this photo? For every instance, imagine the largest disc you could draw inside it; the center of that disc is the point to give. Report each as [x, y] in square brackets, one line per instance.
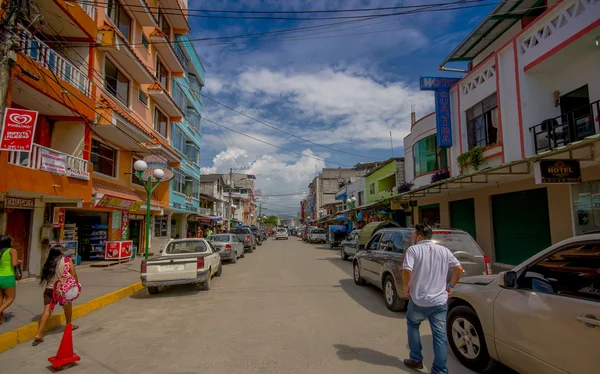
[521, 225]
[462, 216]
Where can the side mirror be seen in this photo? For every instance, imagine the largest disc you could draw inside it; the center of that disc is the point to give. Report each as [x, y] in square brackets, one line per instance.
[507, 279]
[360, 247]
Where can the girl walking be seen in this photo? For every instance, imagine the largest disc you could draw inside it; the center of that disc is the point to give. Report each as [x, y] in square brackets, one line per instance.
[8, 282]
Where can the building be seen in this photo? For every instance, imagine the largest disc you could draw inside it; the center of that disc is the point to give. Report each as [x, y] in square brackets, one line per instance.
[523, 160]
[215, 204]
[383, 181]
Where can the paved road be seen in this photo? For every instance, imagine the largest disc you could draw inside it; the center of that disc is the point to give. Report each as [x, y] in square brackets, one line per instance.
[290, 307]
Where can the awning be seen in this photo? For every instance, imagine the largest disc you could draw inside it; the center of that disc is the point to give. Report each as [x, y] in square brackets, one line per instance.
[213, 219]
[114, 196]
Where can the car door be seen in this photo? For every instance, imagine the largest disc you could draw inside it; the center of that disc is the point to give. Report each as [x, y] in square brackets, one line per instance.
[351, 244]
[369, 265]
[381, 256]
[237, 245]
[212, 259]
[400, 242]
[551, 322]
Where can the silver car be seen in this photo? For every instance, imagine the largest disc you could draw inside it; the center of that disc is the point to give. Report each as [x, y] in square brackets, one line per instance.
[541, 317]
[350, 245]
[380, 263]
[229, 246]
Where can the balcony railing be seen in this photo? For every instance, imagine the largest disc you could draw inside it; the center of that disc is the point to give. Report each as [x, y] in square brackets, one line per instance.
[193, 118]
[50, 160]
[181, 55]
[566, 128]
[48, 58]
[89, 8]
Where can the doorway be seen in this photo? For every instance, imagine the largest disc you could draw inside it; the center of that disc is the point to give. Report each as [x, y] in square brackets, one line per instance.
[17, 227]
[576, 113]
[430, 214]
[135, 231]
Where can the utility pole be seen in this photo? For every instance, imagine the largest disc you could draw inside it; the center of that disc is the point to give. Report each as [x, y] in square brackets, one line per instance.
[230, 192]
[8, 47]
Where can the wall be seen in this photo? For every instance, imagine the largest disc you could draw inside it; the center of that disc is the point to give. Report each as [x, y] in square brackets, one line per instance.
[69, 137]
[421, 129]
[375, 177]
[503, 39]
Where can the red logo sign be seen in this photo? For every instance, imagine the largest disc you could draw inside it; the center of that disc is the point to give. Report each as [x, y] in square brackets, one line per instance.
[18, 128]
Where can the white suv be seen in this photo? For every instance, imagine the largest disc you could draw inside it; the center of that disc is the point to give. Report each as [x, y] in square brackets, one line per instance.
[281, 234]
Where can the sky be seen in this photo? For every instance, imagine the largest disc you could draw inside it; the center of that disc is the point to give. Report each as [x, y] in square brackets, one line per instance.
[335, 98]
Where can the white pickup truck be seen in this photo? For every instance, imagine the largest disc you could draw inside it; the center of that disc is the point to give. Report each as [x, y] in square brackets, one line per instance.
[182, 261]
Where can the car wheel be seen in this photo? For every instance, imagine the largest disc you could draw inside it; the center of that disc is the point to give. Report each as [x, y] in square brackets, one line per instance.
[243, 254]
[206, 284]
[153, 290]
[467, 341]
[220, 271]
[343, 254]
[234, 258]
[357, 279]
[392, 301]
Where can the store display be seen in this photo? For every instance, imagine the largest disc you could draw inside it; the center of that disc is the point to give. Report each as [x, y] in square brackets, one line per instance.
[98, 238]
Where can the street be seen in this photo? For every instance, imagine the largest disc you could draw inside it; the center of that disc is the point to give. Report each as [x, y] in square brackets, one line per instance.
[289, 307]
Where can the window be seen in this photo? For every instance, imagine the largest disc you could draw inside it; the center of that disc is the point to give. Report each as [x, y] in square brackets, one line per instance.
[163, 24]
[482, 122]
[142, 97]
[160, 226]
[162, 74]
[399, 244]
[145, 42]
[386, 242]
[134, 178]
[178, 139]
[115, 82]
[192, 188]
[374, 243]
[120, 18]
[428, 157]
[191, 246]
[573, 271]
[361, 198]
[372, 189]
[104, 158]
[160, 122]
[192, 152]
[178, 182]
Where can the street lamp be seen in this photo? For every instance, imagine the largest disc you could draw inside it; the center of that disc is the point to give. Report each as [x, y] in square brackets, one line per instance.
[140, 167]
[320, 213]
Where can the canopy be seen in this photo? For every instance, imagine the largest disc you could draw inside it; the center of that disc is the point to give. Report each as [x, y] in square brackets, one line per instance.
[371, 228]
[335, 228]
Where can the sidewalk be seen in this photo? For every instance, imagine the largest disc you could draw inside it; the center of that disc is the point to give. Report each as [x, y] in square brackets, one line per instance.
[95, 282]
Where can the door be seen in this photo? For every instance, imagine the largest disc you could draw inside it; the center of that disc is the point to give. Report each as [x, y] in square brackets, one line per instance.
[429, 214]
[462, 216]
[382, 255]
[577, 113]
[368, 261]
[517, 237]
[134, 233]
[17, 227]
[556, 300]
[237, 245]
[351, 244]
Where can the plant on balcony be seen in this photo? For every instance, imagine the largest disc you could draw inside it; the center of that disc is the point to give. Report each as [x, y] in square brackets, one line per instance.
[440, 175]
[405, 187]
[474, 156]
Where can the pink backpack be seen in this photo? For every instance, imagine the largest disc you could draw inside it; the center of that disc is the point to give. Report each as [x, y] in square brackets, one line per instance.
[66, 288]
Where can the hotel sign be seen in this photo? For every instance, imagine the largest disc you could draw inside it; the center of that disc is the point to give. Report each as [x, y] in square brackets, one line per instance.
[557, 171]
[441, 87]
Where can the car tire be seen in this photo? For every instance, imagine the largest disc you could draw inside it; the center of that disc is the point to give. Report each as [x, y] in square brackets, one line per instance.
[153, 290]
[234, 258]
[343, 254]
[478, 359]
[243, 254]
[356, 274]
[392, 301]
[206, 284]
[220, 271]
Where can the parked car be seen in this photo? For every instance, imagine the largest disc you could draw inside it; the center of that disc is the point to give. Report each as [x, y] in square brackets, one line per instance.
[317, 235]
[543, 316]
[349, 245]
[337, 233]
[182, 261]
[370, 228]
[307, 232]
[264, 235]
[246, 236]
[380, 263]
[281, 234]
[257, 235]
[229, 246]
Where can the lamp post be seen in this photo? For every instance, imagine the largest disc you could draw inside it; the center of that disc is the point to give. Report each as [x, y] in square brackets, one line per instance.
[351, 202]
[140, 167]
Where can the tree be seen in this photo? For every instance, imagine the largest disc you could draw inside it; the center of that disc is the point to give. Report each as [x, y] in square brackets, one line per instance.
[271, 220]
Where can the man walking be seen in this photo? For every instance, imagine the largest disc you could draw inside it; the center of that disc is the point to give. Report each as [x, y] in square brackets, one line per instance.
[424, 273]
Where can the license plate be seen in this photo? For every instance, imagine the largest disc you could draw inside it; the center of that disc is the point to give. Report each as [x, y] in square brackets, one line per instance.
[170, 268]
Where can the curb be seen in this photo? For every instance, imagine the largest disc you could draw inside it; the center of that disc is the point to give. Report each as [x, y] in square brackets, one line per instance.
[27, 332]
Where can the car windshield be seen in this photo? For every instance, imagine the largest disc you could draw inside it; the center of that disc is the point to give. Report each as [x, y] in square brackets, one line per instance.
[318, 231]
[281, 231]
[220, 238]
[239, 231]
[186, 246]
[457, 241]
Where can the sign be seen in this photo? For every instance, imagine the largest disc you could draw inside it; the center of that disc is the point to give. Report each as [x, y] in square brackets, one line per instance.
[441, 88]
[117, 250]
[53, 162]
[205, 211]
[116, 220]
[557, 171]
[19, 203]
[18, 129]
[75, 173]
[58, 217]
[109, 201]
[124, 225]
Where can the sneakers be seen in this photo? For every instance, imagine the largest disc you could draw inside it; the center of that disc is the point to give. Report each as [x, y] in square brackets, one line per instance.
[413, 364]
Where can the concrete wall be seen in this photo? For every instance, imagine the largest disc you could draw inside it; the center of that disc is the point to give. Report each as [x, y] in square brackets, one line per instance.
[421, 129]
[69, 137]
[378, 175]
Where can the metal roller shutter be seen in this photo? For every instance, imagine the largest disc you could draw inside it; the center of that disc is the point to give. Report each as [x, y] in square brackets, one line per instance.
[462, 216]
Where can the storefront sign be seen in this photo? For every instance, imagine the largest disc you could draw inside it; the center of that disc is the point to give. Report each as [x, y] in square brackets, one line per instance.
[557, 171]
[441, 87]
[74, 173]
[108, 201]
[124, 225]
[18, 128]
[58, 217]
[117, 250]
[205, 211]
[19, 203]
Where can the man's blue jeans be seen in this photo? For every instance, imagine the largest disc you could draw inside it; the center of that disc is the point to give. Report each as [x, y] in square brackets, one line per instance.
[437, 320]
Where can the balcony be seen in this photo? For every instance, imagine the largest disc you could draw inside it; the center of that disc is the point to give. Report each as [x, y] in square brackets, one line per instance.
[567, 128]
[165, 101]
[177, 14]
[167, 52]
[50, 160]
[144, 15]
[193, 119]
[72, 19]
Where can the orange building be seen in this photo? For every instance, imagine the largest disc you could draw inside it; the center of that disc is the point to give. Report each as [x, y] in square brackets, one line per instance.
[101, 107]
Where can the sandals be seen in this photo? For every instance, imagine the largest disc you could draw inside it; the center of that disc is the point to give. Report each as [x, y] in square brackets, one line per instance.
[74, 327]
[37, 342]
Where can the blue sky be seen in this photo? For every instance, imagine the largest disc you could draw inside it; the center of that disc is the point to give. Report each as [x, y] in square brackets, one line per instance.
[346, 92]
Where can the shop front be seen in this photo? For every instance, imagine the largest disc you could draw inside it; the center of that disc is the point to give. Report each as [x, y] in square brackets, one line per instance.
[18, 214]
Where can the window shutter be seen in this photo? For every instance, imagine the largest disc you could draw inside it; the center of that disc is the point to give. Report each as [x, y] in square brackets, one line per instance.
[490, 102]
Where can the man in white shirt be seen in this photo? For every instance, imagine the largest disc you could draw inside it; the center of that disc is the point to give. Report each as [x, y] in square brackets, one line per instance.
[424, 273]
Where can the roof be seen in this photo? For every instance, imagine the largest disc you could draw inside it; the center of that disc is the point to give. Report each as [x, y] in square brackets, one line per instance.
[100, 186]
[500, 20]
[210, 177]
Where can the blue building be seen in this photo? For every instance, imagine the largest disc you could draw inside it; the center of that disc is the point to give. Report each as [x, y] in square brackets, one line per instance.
[184, 201]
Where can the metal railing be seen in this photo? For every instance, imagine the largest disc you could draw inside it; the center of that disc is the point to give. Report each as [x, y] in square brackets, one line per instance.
[51, 60]
[88, 7]
[181, 55]
[566, 128]
[48, 159]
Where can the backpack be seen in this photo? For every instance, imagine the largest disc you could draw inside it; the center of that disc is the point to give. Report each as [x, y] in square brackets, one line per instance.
[66, 289]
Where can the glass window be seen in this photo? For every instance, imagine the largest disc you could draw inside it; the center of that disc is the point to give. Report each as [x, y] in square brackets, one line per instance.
[119, 16]
[104, 158]
[374, 242]
[372, 189]
[115, 82]
[586, 202]
[572, 272]
[428, 157]
[162, 74]
[192, 152]
[187, 246]
[145, 42]
[178, 139]
[142, 97]
[220, 238]
[398, 243]
[482, 122]
[160, 122]
[386, 242]
[178, 182]
[160, 226]
[457, 241]
[163, 24]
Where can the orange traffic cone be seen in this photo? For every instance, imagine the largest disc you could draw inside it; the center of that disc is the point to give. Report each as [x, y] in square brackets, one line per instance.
[65, 354]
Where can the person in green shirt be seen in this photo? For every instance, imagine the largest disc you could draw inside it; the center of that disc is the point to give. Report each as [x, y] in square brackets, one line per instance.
[9, 258]
[209, 232]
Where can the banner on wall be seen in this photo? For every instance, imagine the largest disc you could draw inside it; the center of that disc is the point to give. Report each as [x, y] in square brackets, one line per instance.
[53, 162]
[441, 88]
[118, 250]
[18, 128]
[58, 217]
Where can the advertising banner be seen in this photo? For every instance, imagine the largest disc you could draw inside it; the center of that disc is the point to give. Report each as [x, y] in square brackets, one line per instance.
[118, 250]
[58, 217]
[53, 162]
[18, 128]
[441, 87]
[557, 171]
[109, 201]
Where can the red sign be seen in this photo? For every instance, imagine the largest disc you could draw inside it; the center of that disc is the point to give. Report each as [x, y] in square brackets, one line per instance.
[18, 128]
[117, 250]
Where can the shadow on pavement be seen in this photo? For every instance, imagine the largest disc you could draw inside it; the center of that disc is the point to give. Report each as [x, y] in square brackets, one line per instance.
[370, 298]
[368, 355]
[170, 291]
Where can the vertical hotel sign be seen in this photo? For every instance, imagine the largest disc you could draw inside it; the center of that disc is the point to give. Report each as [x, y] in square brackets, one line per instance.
[18, 128]
[441, 88]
